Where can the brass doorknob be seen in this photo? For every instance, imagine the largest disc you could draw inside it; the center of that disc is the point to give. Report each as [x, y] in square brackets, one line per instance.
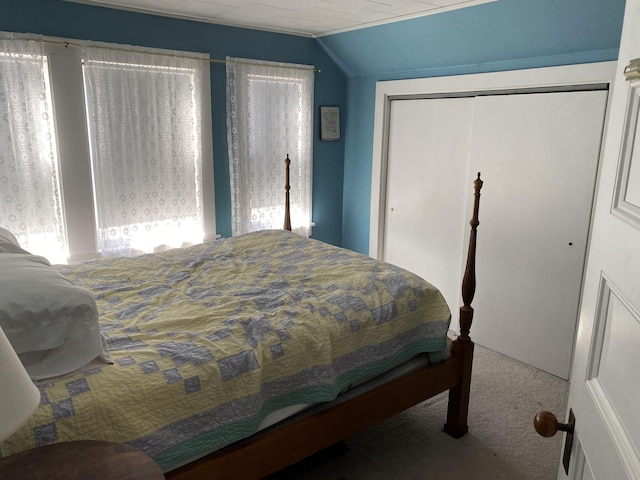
[547, 425]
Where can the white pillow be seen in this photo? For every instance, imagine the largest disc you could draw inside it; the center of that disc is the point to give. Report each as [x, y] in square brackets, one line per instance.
[9, 243]
[51, 323]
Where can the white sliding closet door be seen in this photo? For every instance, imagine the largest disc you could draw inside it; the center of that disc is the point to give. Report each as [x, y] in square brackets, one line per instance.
[429, 143]
[539, 155]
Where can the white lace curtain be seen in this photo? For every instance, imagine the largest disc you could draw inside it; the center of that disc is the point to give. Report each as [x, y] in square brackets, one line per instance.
[144, 127]
[30, 201]
[269, 115]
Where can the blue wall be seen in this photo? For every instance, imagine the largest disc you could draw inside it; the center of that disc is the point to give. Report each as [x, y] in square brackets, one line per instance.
[503, 35]
[78, 21]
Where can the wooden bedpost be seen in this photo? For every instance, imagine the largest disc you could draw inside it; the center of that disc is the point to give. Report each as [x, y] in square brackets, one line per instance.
[469, 279]
[287, 187]
[462, 349]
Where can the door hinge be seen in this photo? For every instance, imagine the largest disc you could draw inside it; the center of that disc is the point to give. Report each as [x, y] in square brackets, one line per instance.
[632, 71]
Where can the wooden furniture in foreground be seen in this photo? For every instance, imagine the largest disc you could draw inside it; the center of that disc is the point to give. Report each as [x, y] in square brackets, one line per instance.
[81, 460]
[280, 446]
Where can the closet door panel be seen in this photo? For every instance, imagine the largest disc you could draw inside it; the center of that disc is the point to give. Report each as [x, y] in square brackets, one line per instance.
[538, 154]
[427, 190]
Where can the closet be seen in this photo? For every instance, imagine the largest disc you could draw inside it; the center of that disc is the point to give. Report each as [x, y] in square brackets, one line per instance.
[538, 149]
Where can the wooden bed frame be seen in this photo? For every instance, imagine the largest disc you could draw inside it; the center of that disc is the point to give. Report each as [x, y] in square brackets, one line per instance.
[278, 447]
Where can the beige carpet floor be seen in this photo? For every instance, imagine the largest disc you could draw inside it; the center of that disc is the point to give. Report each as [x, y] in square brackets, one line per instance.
[501, 443]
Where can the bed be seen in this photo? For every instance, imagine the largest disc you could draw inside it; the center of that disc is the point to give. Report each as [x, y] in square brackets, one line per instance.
[239, 357]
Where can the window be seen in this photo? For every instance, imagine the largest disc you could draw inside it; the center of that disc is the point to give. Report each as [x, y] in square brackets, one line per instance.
[145, 150]
[269, 116]
[133, 132]
[30, 203]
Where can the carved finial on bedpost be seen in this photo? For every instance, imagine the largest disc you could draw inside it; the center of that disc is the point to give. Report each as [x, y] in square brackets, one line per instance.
[287, 187]
[469, 279]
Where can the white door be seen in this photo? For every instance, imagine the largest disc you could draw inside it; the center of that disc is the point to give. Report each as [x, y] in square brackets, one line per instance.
[605, 386]
[538, 153]
[429, 142]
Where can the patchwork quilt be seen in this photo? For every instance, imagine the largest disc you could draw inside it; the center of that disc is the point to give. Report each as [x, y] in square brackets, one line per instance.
[208, 340]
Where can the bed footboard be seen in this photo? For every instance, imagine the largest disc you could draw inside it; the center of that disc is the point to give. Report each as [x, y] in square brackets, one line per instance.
[280, 446]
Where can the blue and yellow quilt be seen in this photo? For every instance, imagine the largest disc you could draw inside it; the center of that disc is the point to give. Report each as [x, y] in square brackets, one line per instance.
[208, 340]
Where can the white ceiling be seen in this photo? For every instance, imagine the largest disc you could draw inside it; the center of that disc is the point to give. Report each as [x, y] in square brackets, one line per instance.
[298, 17]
